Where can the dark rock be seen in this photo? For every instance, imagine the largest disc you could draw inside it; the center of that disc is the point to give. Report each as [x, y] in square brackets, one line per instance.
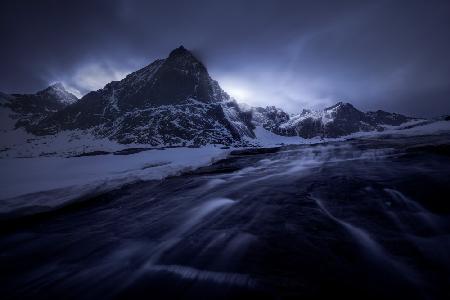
[255, 151]
[338, 120]
[129, 151]
[270, 117]
[168, 102]
[92, 153]
[29, 109]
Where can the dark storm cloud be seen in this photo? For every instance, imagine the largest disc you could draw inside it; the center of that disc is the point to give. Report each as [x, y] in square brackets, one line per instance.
[375, 54]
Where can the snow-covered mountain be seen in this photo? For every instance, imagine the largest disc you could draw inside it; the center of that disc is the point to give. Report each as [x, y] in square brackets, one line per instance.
[172, 101]
[338, 120]
[27, 110]
[270, 117]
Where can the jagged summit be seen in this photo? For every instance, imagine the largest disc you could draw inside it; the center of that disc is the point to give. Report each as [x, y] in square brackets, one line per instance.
[340, 104]
[180, 51]
[176, 79]
[29, 109]
[183, 57]
[57, 85]
[337, 120]
[171, 101]
[57, 92]
[54, 92]
[174, 101]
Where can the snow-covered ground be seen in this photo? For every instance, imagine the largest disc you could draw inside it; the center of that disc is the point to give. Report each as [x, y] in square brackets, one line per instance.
[37, 175]
[413, 128]
[266, 138]
[43, 183]
[20, 144]
[17, 143]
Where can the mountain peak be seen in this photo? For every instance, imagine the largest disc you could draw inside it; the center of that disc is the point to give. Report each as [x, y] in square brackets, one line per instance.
[181, 58]
[54, 87]
[340, 104]
[182, 54]
[179, 51]
[58, 92]
[57, 86]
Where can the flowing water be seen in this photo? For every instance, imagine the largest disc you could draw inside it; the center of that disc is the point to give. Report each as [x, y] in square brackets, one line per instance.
[365, 218]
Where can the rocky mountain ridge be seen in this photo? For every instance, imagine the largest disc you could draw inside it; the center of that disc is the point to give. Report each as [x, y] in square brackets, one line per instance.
[30, 109]
[338, 120]
[174, 101]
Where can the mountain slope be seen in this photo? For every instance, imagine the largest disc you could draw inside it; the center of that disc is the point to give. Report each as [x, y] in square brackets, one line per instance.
[338, 120]
[27, 110]
[171, 101]
[175, 102]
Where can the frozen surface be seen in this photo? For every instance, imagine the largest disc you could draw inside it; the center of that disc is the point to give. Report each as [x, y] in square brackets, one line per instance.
[53, 181]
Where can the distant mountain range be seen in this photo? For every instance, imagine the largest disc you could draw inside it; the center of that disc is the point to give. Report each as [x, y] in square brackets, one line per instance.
[174, 101]
[30, 109]
[338, 120]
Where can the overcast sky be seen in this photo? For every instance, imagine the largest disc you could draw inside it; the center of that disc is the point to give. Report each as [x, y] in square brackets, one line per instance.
[392, 55]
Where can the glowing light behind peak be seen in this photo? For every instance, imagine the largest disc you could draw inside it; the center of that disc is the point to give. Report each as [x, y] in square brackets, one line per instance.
[260, 89]
[237, 90]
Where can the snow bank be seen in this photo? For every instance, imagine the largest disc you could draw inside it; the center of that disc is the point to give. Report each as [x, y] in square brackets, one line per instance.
[43, 183]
